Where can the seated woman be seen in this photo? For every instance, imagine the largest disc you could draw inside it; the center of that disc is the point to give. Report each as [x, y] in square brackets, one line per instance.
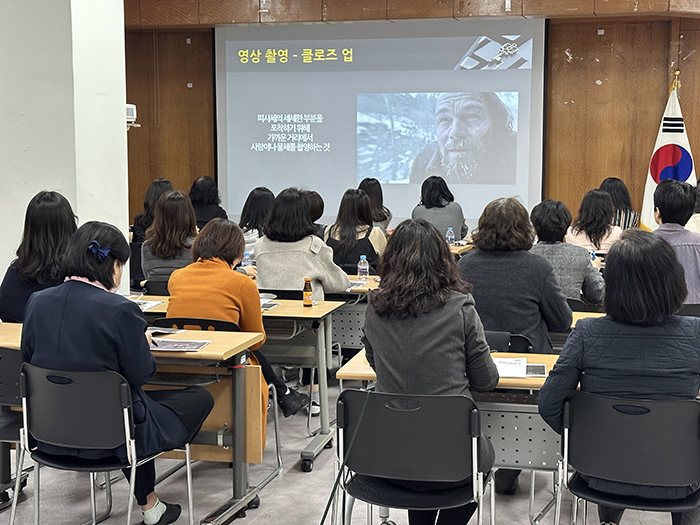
[316, 207]
[593, 228]
[144, 220]
[639, 350]
[255, 209]
[437, 206]
[625, 216]
[381, 216]
[515, 291]
[423, 294]
[572, 264]
[205, 198]
[210, 289]
[289, 251]
[48, 224]
[100, 330]
[353, 235]
[169, 240]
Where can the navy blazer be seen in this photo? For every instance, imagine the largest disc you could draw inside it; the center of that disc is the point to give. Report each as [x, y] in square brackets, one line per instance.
[78, 327]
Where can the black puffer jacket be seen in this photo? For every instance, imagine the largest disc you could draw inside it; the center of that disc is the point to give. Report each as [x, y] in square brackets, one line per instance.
[622, 360]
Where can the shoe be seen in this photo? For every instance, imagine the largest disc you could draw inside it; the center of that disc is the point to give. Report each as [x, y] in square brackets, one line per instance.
[506, 481]
[292, 402]
[171, 514]
[315, 409]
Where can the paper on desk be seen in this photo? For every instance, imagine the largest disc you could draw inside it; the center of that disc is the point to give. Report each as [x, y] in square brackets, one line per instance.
[355, 284]
[177, 345]
[511, 366]
[147, 305]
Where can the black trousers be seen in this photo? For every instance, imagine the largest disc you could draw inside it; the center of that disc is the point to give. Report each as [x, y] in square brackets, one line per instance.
[191, 406]
[269, 374]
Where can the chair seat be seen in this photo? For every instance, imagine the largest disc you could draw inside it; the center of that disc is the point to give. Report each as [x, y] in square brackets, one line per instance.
[65, 462]
[384, 493]
[579, 487]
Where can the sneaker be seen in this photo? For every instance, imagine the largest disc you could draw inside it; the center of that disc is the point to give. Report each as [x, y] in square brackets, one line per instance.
[171, 514]
[293, 402]
[315, 409]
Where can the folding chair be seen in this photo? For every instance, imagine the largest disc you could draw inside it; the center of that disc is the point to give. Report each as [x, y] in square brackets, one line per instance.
[81, 410]
[153, 287]
[576, 305]
[507, 342]
[640, 442]
[384, 437]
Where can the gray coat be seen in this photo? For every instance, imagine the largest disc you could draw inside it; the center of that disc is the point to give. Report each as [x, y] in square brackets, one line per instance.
[574, 271]
[517, 292]
[450, 215]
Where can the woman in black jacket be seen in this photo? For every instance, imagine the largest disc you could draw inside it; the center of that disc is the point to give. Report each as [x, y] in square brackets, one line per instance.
[640, 350]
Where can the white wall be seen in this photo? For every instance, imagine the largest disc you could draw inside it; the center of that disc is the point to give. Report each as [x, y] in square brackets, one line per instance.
[62, 116]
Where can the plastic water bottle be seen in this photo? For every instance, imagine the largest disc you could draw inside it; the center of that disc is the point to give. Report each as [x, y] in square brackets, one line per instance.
[363, 268]
[450, 235]
[246, 261]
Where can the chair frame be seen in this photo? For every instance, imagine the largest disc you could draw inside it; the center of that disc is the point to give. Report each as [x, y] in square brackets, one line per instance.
[651, 417]
[128, 441]
[345, 472]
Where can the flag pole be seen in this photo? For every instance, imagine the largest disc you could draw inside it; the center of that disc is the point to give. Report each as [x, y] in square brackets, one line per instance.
[676, 81]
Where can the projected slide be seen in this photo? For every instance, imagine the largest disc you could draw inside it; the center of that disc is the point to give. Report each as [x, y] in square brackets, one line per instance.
[324, 106]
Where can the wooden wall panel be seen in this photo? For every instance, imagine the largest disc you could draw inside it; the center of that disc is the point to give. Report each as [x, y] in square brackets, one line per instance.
[466, 8]
[402, 9]
[605, 97]
[337, 10]
[690, 23]
[614, 7]
[558, 7]
[131, 13]
[689, 92]
[291, 11]
[176, 137]
[169, 12]
[685, 6]
[229, 11]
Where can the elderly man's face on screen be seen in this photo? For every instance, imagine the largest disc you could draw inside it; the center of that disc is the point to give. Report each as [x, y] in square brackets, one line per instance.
[462, 123]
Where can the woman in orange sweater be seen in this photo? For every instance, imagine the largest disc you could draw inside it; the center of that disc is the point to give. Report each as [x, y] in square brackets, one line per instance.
[209, 288]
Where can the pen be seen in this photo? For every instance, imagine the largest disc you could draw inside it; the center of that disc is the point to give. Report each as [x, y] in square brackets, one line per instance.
[153, 342]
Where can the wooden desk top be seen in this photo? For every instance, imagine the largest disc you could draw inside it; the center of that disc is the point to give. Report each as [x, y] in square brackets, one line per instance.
[287, 308]
[583, 315]
[459, 250]
[358, 368]
[367, 287]
[223, 344]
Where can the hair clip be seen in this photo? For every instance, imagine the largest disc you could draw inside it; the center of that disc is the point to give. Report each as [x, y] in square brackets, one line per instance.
[102, 253]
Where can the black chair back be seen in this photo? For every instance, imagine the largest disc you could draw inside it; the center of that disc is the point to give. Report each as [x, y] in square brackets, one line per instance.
[195, 323]
[10, 365]
[76, 409]
[156, 287]
[135, 270]
[408, 437]
[576, 305]
[634, 441]
[507, 342]
[690, 310]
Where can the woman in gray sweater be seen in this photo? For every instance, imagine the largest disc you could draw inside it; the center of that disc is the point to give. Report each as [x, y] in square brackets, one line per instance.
[423, 336]
[438, 207]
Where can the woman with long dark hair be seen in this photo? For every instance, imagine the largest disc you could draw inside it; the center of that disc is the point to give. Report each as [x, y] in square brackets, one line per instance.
[353, 235]
[255, 210]
[381, 216]
[205, 198]
[144, 219]
[625, 216]
[437, 206]
[422, 335]
[593, 227]
[169, 239]
[80, 325]
[48, 225]
[640, 350]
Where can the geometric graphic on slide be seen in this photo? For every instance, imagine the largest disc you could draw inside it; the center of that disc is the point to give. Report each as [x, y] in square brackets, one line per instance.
[671, 161]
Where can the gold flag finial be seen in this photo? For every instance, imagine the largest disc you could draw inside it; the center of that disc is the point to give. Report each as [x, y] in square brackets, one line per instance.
[676, 81]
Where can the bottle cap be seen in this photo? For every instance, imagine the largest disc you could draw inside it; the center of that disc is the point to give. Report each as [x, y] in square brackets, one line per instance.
[245, 254]
[363, 257]
[307, 278]
[449, 229]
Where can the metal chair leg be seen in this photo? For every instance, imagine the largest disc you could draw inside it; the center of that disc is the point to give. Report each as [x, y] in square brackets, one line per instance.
[37, 475]
[190, 496]
[492, 499]
[558, 488]
[480, 502]
[584, 512]
[93, 504]
[18, 480]
[350, 503]
[574, 509]
[369, 514]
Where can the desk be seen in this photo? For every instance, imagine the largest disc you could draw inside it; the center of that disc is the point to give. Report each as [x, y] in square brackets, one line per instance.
[316, 318]
[224, 347]
[583, 315]
[521, 439]
[458, 250]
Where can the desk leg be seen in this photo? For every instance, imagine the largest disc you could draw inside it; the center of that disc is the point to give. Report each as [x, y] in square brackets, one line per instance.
[319, 442]
[228, 511]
